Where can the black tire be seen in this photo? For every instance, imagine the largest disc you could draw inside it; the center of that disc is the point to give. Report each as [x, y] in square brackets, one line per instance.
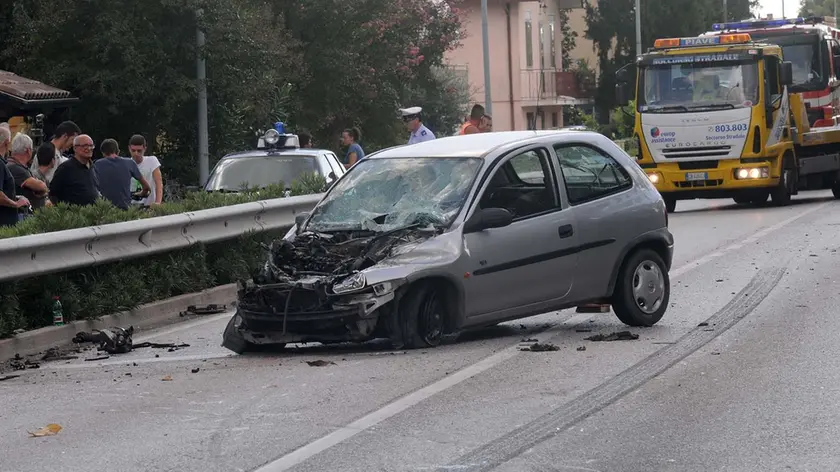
[670, 205]
[420, 318]
[781, 195]
[625, 303]
[742, 200]
[761, 199]
[233, 340]
[835, 189]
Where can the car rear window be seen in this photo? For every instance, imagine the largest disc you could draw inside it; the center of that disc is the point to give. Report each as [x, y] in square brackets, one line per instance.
[258, 172]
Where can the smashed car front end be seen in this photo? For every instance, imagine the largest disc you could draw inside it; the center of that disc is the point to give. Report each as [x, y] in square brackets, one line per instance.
[313, 288]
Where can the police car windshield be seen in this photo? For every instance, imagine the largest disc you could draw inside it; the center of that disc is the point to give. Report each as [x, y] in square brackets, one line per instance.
[695, 84]
[239, 173]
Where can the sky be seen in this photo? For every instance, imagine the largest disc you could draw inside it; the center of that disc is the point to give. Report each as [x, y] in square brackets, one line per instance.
[791, 8]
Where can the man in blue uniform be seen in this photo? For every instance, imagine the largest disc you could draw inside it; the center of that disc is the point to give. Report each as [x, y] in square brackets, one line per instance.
[419, 133]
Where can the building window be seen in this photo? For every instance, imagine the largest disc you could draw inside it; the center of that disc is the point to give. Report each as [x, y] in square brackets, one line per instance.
[529, 41]
[551, 42]
[554, 123]
[532, 123]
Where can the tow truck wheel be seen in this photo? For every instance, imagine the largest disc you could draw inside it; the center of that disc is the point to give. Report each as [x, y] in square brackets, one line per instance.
[741, 200]
[760, 199]
[421, 318]
[781, 194]
[670, 205]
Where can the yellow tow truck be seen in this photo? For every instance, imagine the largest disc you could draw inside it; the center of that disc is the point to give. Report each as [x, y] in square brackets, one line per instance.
[714, 119]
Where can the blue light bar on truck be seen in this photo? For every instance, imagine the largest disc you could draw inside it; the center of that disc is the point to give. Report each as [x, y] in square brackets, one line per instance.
[757, 24]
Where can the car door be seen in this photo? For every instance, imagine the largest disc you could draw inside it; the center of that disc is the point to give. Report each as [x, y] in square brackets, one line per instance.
[597, 187]
[336, 166]
[531, 261]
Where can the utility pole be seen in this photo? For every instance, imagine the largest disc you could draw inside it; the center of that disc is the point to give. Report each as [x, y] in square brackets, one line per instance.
[485, 44]
[783, 9]
[725, 16]
[638, 29]
[201, 77]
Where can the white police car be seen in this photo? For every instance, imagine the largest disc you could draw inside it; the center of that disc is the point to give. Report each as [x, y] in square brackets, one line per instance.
[277, 159]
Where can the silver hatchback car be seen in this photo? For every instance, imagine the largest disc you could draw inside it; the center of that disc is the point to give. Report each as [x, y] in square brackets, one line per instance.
[418, 241]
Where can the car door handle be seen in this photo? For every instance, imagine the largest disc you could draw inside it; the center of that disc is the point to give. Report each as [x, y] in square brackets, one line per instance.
[566, 231]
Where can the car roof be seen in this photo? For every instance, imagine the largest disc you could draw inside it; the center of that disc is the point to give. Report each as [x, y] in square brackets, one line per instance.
[475, 145]
[276, 153]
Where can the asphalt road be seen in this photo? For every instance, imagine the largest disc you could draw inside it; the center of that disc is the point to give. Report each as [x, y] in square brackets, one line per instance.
[755, 389]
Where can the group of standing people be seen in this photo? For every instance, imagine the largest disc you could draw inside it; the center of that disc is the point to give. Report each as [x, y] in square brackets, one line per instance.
[478, 122]
[33, 179]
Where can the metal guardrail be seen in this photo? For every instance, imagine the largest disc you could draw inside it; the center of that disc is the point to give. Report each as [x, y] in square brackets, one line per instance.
[59, 251]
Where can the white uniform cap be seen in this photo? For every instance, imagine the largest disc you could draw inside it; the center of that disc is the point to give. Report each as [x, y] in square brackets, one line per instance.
[410, 111]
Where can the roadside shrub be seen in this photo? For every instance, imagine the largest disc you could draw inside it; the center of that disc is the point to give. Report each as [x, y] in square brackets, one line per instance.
[110, 288]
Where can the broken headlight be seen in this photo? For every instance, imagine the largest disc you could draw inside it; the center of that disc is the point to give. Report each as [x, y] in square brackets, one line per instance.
[353, 283]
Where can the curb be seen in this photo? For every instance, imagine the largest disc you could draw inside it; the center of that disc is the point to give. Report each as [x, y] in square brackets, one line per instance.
[149, 316]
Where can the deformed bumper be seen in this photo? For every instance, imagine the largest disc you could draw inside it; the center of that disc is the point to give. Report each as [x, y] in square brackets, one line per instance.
[333, 319]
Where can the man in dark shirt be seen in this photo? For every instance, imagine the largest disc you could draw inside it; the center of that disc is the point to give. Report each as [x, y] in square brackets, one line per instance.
[114, 175]
[18, 164]
[74, 181]
[8, 204]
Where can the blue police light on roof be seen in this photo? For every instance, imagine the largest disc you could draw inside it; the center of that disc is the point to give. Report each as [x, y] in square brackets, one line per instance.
[757, 24]
[280, 127]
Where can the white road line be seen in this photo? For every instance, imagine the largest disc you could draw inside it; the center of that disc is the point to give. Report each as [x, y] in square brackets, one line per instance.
[372, 419]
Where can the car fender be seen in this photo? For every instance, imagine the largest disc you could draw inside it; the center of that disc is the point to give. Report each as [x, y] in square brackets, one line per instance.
[661, 236]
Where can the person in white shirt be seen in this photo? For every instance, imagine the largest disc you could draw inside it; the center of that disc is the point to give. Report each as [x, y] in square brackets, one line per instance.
[149, 169]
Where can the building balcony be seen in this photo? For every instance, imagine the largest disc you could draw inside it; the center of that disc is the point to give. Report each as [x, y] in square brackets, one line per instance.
[552, 86]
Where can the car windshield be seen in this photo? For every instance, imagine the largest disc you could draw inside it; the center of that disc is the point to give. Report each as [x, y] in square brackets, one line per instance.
[234, 174]
[695, 83]
[386, 194]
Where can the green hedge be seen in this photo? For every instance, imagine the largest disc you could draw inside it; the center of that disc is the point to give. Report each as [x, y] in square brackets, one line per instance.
[111, 288]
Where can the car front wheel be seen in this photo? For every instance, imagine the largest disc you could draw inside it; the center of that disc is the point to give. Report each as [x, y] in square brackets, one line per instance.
[642, 290]
[421, 318]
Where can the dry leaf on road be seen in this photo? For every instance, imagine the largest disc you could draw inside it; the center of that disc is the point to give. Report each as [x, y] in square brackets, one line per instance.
[49, 430]
[167, 378]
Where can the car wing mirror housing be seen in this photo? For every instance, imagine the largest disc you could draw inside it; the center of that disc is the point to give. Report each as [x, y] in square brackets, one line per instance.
[488, 218]
[300, 219]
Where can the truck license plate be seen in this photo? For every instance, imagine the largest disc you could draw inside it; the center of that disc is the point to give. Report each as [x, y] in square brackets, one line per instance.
[696, 176]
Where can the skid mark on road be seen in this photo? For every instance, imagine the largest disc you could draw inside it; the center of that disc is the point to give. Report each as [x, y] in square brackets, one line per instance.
[543, 428]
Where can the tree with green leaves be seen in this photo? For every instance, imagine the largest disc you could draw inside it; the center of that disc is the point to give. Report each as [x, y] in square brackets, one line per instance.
[816, 8]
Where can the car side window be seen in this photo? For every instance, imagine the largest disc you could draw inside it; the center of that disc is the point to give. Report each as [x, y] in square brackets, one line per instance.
[523, 185]
[589, 173]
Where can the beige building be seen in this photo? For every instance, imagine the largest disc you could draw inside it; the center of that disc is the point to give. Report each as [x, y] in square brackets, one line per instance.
[529, 85]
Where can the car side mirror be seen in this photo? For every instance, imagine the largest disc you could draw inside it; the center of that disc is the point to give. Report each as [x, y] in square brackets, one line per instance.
[488, 218]
[621, 94]
[332, 176]
[301, 218]
[786, 73]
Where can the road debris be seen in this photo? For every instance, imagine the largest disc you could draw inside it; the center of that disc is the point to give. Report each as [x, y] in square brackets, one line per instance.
[530, 340]
[49, 430]
[8, 377]
[540, 347]
[594, 308]
[196, 370]
[114, 340]
[161, 345]
[703, 324]
[19, 363]
[581, 348]
[211, 309]
[99, 358]
[617, 336]
[583, 330]
[320, 363]
[168, 378]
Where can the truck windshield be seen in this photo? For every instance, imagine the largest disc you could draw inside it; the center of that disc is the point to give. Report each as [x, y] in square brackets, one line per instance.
[682, 86]
[810, 68]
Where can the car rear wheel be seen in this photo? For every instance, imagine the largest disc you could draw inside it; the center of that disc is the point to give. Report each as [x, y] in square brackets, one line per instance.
[642, 290]
[421, 318]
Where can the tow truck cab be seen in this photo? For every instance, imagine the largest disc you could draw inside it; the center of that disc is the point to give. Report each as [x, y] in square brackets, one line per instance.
[713, 121]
